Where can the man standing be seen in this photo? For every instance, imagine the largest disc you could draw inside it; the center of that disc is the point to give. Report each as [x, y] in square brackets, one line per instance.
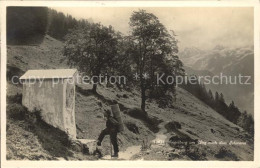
[112, 126]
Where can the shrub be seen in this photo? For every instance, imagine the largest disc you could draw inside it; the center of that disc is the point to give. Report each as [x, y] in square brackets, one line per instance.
[16, 111]
[15, 99]
[224, 153]
[26, 25]
[146, 145]
[172, 126]
[196, 154]
[132, 127]
[164, 102]
[14, 71]
[150, 121]
[137, 113]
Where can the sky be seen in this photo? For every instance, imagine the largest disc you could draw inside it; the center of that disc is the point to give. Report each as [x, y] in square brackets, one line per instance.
[201, 27]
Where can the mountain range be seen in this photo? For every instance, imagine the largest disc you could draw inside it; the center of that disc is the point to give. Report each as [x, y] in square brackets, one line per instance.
[225, 61]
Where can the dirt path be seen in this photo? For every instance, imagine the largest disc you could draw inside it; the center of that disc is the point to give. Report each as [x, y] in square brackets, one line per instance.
[127, 154]
[161, 136]
[158, 142]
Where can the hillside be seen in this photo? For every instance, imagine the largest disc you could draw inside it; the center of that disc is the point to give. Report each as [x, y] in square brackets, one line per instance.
[196, 120]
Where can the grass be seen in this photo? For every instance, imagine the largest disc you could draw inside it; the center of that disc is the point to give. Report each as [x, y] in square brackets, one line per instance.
[51, 142]
[56, 143]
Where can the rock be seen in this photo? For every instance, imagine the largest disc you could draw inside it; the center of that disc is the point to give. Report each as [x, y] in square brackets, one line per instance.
[86, 146]
[132, 127]
[180, 141]
[99, 104]
[127, 88]
[98, 152]
[99, 116]
[137, 113]
[236, 128]
[212, 131]
[173, 150]
[125, 96]
[172, 126]
[85, 149]
[173, 155]
[114, 102]
[76, 147]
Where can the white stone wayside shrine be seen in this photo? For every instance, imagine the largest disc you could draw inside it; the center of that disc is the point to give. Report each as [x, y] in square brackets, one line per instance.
[53, 93]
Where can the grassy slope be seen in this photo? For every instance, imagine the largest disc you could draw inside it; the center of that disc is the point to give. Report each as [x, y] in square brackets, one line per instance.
[196, 118]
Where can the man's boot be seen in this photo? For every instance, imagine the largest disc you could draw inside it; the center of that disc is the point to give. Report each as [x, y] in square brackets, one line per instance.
[115, 154]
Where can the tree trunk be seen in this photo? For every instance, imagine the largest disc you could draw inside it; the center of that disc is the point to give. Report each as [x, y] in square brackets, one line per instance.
[96, 81]
[94, 89]
[143, 99]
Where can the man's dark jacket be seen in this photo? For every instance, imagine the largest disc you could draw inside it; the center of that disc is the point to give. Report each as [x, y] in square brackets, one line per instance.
[112, 123]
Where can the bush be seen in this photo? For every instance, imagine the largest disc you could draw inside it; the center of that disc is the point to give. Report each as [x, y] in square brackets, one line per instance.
[12, 71]
[150, 121]
[26, 25]
[224, 153]
[196, 154]
[15, 99]
[172, 126]
[132, 127]
[16, 111]
[146, 145]
[137, 113]
[164, 102]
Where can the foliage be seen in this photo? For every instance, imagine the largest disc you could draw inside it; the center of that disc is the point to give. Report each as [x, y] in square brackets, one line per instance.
[231, 112]
[16, 111]
[226, 154]
[26, 24]
[246, 121]
[59, 24]
[153, 50]
[93, 49]
[17, 98]
[146, 145]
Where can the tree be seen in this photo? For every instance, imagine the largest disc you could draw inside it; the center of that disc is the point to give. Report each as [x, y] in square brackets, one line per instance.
[210, 94]
[233, 113]
[123, 64]
[222, 98]
[59, 24]
[250, 124]
[92, 48]
[154, 50]
[26, 25]
[246, 121]
[232, 105]
[210, 100]
[216, 97]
